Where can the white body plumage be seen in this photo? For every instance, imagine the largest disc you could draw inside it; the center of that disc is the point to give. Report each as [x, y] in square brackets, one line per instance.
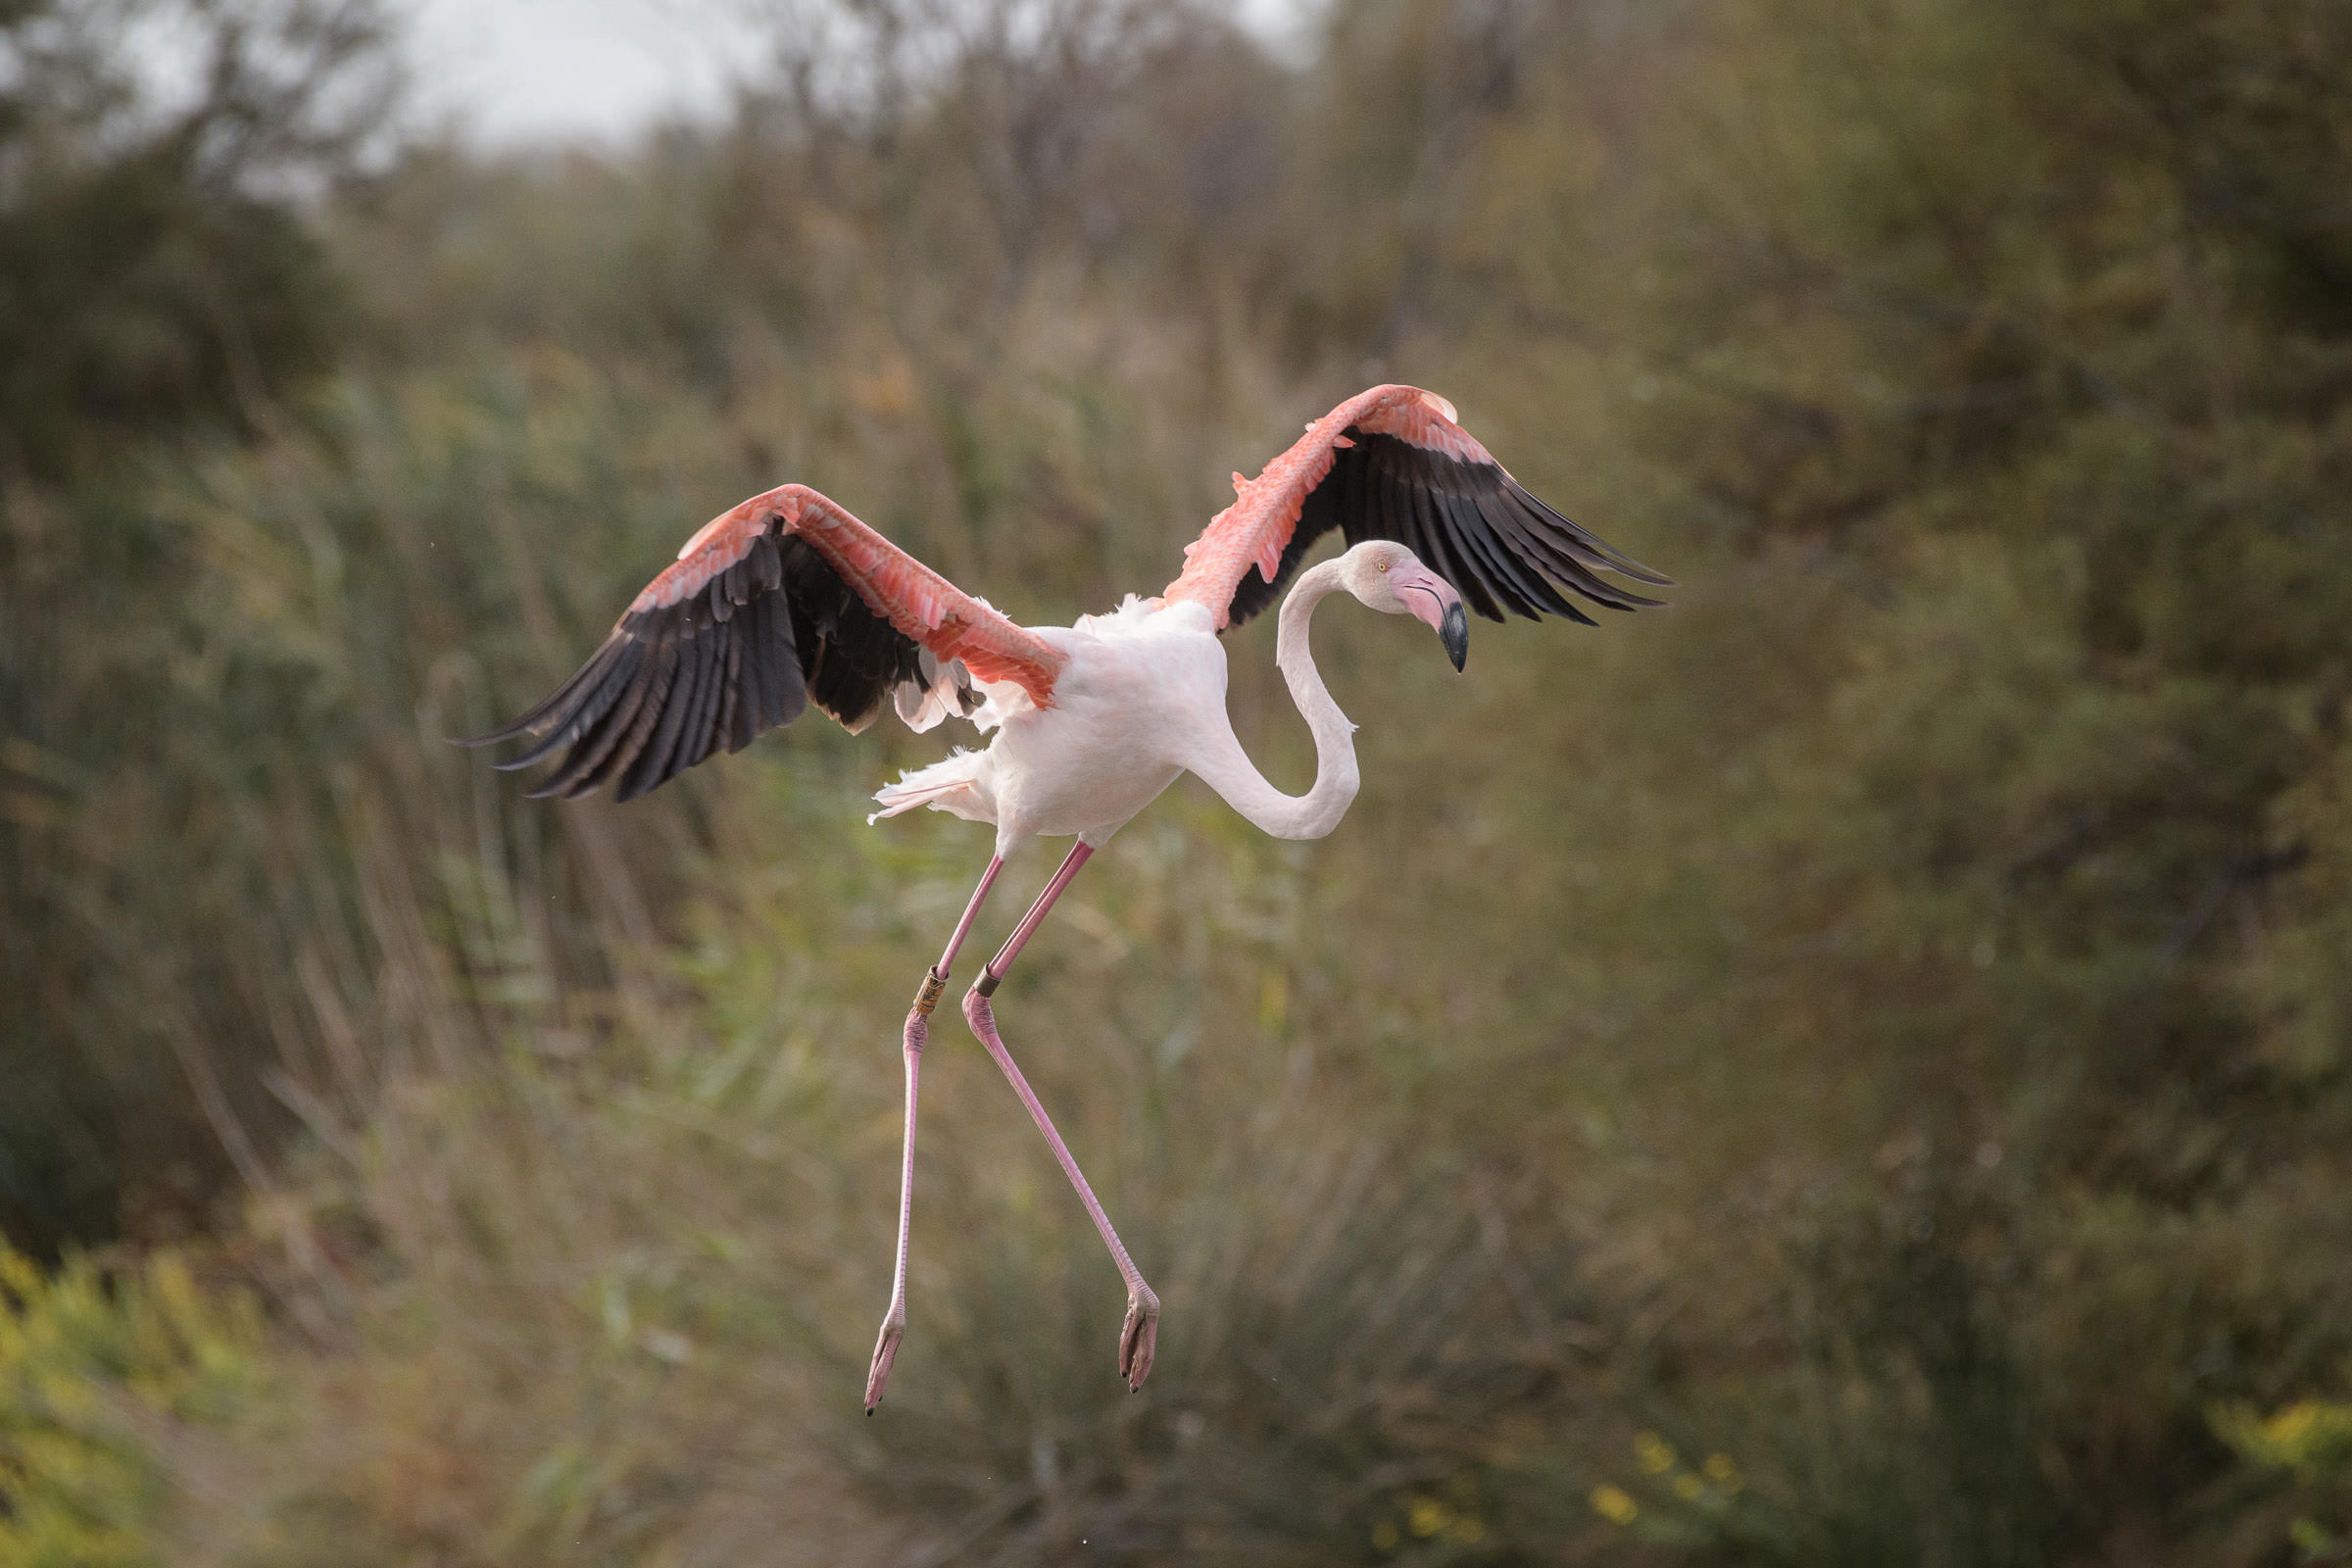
[1142, 700]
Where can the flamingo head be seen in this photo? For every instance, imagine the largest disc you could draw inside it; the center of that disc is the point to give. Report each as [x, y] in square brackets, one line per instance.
[1390, 578]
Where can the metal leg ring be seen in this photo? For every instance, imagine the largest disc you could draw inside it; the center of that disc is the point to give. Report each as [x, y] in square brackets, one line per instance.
[928, 996]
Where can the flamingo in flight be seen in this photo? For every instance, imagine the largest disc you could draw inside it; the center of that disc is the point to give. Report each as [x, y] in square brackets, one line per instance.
[788, 600]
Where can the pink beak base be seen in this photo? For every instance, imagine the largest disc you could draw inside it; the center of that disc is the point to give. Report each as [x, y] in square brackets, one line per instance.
[1432, 599]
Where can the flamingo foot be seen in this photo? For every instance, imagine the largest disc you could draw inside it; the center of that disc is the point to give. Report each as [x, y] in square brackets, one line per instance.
[886, 1350]
[1138, 1337]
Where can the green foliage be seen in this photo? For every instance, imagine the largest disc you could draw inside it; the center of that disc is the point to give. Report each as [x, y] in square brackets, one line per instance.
[2308, 1446]
[158, 276]
[2310, 1437]
[98, 1370]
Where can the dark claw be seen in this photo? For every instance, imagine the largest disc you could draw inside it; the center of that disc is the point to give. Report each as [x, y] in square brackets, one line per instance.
[886, 1351]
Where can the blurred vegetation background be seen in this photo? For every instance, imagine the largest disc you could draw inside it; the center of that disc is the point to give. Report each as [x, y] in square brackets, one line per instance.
[1855, 1068]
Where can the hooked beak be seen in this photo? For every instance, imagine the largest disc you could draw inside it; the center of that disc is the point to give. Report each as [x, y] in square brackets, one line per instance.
[1432, 599]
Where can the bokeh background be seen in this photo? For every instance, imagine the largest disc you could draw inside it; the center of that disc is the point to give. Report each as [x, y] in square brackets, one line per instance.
[1852, 1070]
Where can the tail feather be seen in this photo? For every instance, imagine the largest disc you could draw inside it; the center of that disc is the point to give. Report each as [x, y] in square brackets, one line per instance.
[956, 784]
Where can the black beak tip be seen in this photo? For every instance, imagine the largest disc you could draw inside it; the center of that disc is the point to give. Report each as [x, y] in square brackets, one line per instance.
[1454, 633]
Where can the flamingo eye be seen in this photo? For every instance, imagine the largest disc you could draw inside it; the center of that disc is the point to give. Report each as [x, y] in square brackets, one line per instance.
[1385, 563]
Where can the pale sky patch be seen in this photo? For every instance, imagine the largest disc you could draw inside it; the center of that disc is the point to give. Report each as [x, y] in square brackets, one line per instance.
[514, 74]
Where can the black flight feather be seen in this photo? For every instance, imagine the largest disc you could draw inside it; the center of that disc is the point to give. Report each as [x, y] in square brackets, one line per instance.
[741, 654]
[1503, 550]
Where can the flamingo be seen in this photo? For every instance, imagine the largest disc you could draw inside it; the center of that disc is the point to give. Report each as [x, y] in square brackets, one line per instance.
[787, 601]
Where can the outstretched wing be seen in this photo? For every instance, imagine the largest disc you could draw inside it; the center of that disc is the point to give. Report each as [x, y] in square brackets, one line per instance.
[1392, 464]
[787, 600]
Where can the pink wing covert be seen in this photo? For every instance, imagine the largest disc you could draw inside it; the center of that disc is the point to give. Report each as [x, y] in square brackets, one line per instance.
[782, 602]
[947, 621]
[1393, 464]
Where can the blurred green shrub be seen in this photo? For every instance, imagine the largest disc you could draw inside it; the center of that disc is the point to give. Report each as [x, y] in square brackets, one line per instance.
[1885, 1015]
[161, 278]
[2305, 1449]
[97, 1368]
[157, 266]
[2312, 1439]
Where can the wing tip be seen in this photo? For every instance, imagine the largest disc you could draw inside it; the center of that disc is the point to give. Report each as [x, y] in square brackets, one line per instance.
[514, 731]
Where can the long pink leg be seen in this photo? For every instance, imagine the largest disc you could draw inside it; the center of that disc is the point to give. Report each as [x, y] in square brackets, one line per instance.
[918, 1033]
[1139, 1335]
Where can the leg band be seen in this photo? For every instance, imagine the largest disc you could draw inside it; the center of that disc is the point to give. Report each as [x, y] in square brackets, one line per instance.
[928, 996]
